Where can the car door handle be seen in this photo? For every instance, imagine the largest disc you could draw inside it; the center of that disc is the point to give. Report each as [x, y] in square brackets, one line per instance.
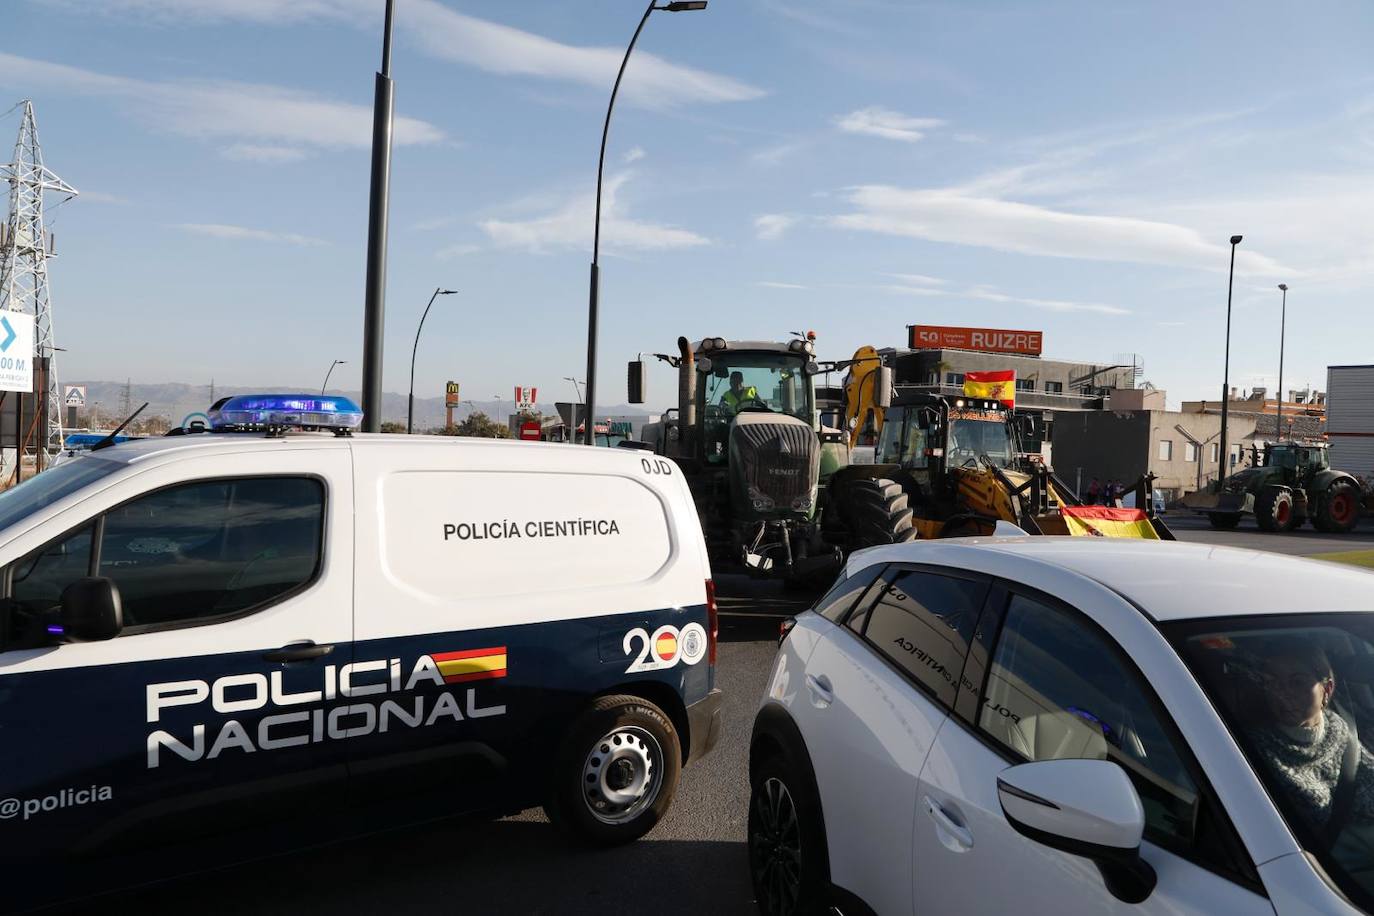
[822, 694]
[298, 652]
[954, 837]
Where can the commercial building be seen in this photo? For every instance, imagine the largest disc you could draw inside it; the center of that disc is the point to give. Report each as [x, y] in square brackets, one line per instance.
[1350, 418]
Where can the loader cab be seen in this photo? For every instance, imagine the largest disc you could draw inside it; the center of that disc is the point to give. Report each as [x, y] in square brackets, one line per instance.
[927, 432]
[735, 379]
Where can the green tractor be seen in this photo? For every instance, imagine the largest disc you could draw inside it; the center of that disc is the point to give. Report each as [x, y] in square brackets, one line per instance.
[761, 467]
[1293, 483]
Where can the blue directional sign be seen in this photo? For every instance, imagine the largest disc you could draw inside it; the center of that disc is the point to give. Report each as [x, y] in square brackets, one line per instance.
[10, 335]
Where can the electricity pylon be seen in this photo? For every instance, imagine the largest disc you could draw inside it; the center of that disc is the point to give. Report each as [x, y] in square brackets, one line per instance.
[24, 251]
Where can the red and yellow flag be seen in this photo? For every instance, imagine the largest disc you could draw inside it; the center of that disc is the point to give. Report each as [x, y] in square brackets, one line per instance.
[992, 386]
[1106, 522]
[471, 664]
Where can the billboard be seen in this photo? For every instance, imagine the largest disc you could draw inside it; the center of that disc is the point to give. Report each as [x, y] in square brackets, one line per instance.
[525, 398]
[76, 396]
[16, 351]
[988, 340]
[451, 395]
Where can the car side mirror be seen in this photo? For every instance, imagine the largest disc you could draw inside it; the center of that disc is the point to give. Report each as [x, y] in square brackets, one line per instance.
[882, 387]
[635, 381]
[91, 610]
[1085, 808]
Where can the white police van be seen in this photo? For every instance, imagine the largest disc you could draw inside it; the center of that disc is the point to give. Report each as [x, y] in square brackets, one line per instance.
[258, 637]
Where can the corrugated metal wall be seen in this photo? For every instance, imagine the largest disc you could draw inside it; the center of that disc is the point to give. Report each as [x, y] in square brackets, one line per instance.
[1350, 418]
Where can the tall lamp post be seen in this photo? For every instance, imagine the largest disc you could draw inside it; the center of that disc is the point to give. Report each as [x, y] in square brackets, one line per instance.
[337, 362]
[595, 286]
[1283, 320]
[1226, 371]
[374, 301]
[410, 403]
[577, 391]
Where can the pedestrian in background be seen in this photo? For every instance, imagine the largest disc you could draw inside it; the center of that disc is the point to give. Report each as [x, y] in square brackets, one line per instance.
[1094, 491]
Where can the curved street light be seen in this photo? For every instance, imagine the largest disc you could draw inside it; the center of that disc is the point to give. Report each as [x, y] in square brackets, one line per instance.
[337, 362]
[594, 289]
[1226, 370]
[410, 404]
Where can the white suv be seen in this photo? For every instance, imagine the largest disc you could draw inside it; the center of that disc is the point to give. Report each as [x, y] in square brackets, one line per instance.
[1070, 725]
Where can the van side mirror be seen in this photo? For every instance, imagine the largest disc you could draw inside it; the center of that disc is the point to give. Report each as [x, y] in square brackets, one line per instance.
[91, 609]
[1086, 808]
[636, 381]
[882, 387]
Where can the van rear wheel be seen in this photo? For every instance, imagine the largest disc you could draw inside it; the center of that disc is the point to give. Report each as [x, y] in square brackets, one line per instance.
[616, 772]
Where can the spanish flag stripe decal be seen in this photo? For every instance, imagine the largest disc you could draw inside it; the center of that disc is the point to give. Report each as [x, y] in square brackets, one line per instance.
[471, 664]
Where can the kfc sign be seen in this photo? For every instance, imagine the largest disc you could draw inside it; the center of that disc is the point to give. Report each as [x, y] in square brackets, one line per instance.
[989, 340]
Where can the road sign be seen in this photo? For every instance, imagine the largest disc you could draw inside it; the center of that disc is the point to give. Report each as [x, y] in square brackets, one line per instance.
[451, 395]
[529, 431]
[525, 397]
[76, 396]
[16, 352]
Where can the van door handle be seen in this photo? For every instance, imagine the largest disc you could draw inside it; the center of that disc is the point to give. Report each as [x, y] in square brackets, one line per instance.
[298, 652]
[952, 836]
[822, 694]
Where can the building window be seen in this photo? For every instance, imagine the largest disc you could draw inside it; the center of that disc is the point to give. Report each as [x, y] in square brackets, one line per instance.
[1189, 451]
[1054, 388]
[1166, 450]
[1025, 384]
[954, 379]
[1216, 452]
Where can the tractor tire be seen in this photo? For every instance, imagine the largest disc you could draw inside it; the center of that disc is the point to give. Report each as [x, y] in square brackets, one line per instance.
[877, 512]
[1274, 509]
[1224, 521]
[1339, 509]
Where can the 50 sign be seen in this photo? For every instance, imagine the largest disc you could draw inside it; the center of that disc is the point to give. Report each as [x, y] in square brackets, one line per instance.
[666, 647]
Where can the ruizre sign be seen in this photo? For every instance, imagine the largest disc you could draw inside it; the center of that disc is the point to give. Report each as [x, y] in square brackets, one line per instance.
[988, 340]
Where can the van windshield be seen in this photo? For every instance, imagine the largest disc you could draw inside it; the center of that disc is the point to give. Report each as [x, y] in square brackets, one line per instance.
[54, 484]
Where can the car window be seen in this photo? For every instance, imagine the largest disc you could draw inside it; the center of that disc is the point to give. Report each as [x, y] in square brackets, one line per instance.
[36, 584]
[846, 592]
[212, 548]
[1058, 688]
[922, 622]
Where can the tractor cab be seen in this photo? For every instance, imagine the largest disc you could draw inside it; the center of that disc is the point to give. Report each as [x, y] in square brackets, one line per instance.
[749, 381]
[1299, 462]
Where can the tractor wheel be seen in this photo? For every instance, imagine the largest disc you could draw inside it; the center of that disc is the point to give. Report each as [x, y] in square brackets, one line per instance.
[1339, 510]
[877, 512]
[1224, 521]
[1274, 509]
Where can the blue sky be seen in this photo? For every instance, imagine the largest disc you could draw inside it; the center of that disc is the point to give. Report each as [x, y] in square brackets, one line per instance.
[847, 167]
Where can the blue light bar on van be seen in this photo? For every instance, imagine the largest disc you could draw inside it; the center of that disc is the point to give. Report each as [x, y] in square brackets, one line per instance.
[251, 411]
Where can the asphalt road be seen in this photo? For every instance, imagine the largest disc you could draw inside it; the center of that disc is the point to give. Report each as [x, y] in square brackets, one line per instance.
[1305, 541]
[693, 862]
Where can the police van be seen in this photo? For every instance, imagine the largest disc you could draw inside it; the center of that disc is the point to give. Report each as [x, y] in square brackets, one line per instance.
[258, 637]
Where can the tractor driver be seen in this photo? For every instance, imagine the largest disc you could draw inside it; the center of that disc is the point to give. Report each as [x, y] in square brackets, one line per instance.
[739, 393]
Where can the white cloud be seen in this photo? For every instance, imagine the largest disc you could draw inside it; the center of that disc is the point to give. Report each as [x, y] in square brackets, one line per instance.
[772, 226]
[919, 279]
[650, 81]
[951, 215]
[253, 114]
[254, 152]
[773, 284]
[569, 225]
[243, 233]
[456, 251]
[635, 154]
[890, 125]
[931, 287]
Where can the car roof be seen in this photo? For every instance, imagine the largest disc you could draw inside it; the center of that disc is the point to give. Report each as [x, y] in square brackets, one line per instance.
[138, 450]
[1167, 580]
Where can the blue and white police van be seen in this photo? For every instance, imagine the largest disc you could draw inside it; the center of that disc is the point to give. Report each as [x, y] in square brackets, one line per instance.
[277, 632]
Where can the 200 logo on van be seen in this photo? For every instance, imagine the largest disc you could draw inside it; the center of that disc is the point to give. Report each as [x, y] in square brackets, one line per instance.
[666, 647]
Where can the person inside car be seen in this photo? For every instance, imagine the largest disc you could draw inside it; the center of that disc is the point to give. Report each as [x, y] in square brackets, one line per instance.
[1303, 740]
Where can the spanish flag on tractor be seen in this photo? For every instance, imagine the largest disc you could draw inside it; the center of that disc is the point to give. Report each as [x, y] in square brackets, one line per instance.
[992, 386]
[1107, 522]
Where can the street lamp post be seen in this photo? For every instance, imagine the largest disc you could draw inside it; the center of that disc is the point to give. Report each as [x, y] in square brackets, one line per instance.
[337, 362]
[1226, 370]
[572, 437]
[410, 403]
[498, 407]
[379, 201]
[595, 284]
[1283, 320]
